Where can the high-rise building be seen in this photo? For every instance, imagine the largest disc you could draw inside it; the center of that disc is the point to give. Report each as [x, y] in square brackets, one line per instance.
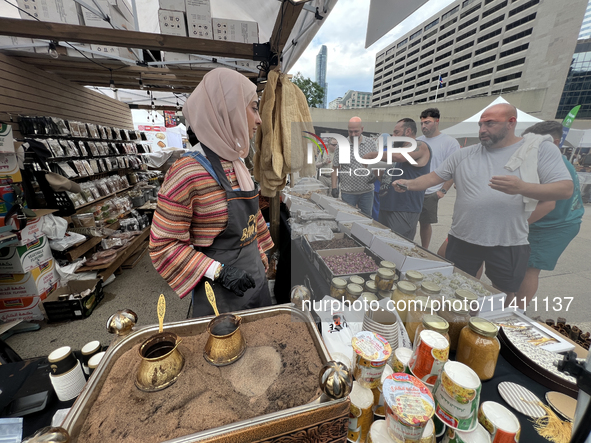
[577, 88]
[321, 72]
[482, 47]
[585, 32]
[352, 100]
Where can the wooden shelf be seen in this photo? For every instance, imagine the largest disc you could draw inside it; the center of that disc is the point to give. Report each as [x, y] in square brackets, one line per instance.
[97, 201]
[109, 268]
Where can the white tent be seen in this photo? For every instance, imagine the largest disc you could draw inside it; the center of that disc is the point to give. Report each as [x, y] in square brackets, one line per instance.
[469, 127]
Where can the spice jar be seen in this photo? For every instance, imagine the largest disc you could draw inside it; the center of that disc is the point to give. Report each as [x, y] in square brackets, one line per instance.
[433, 323]
[355, 279]
[385, 294]
[470, 297]
[414, 277]
[478, 347]
[405, 292]
[370, 286]
[353, 292]
[414, 316]
[338, 288]
[385, 279]
[454, 312]
[429, 289]
[388, 265]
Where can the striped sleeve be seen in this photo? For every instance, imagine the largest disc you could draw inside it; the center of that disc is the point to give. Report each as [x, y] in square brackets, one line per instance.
[170, 240]
[263, 235]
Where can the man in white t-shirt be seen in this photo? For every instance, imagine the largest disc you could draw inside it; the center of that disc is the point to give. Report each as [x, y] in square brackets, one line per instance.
[489, 223]
[442, 146]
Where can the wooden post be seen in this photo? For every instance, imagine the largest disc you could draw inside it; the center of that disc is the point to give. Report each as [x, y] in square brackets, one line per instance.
[275, 217]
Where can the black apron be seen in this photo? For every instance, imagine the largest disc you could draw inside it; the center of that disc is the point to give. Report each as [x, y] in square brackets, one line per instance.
[235, 246]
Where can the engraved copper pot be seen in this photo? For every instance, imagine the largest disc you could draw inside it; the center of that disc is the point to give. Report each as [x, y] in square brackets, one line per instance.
[161, 364]
[225, 343]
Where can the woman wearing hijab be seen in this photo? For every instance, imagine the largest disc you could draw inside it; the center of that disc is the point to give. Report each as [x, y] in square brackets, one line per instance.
[208, 226]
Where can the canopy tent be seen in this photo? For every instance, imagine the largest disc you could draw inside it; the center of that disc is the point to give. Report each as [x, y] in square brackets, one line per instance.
[469, 127]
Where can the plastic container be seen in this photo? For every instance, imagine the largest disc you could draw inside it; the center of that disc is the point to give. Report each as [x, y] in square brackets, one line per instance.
[478, 347]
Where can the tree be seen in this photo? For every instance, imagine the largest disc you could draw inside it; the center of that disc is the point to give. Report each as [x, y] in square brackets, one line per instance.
[313, 91]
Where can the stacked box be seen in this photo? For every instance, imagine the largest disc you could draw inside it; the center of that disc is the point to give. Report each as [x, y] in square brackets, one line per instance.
[62, 310]
[172, 22]
[56, 11]
[22, 259]
[199, 18]
[235, 31]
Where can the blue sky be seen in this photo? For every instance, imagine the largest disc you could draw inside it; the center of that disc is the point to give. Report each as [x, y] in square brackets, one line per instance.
[350, 65]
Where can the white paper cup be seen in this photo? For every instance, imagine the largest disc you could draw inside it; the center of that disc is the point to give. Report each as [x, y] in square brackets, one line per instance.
[68, 386]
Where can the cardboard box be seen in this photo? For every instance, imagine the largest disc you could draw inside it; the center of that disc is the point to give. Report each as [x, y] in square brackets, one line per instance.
[31, 232]
[39, 282]
[21, 308]
[18, 43]
[326, 272]
[22, 259]
[404, 263]
[345, 226]
[172, 23]
[56, 11]
[173, 5]
[343, 216]
[310, 252]
[365, 232]
[199, 19]
[235, 30]
[62, 310]
[9, 170]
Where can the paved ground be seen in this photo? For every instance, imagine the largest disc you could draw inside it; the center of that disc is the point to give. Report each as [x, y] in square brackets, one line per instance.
[138, 289]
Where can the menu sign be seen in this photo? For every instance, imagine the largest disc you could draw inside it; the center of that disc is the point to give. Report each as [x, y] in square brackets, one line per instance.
[156, 136]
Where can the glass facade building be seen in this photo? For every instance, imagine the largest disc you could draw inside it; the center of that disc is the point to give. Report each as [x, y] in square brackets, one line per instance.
[321, 72]
[577, 88]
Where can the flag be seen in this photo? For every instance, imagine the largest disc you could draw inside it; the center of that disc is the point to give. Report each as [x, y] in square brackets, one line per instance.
[567, 123]
[440, 82]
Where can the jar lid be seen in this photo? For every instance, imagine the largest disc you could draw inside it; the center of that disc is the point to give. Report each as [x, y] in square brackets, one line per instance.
[356, 280]
[465, 294]
[422, 303]
[339, 283]
[387, 265]
[414, 276]
[407, 287]
[368, 296]
[385, 294]
[354, 289]
[435, 323]
[370, 286]
[372, 277]
[430, 287]
[483, 327]
[385, 273]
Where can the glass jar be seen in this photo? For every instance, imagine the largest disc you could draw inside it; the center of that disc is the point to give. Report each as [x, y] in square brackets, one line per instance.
[372, 277]
[385, 279]
[415, 277]
[338, 288]
[369, 296]
[405, 292]
[478, 347]
[353, 292]
[355, 279]
[385, 294]
[414, 317]
[429, 289]
[388, 265]
[370, 286]
[433, 323]
[454, 313]
[470, 297]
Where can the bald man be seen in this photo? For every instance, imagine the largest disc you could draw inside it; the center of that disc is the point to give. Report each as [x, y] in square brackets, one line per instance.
[490, 219]
[355, 190]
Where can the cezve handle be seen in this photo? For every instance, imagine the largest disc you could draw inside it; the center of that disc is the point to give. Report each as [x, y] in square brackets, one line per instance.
[211, 297]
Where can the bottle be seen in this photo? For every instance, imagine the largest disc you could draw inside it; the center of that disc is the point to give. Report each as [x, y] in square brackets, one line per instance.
[478, 347]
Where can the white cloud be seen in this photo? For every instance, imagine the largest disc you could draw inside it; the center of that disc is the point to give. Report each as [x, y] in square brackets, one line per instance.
[350, 65]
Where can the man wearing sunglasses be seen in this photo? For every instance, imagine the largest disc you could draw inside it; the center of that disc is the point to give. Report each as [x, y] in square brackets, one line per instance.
[493, 200]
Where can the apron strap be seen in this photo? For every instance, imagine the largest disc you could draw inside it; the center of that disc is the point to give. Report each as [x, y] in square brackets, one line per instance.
[200, 158]
[217, 167]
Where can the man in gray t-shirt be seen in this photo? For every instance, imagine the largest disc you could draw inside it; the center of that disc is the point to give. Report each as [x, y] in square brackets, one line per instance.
[490, 221]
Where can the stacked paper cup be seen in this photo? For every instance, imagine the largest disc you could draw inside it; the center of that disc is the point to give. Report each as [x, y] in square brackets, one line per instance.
[66, 375]
[384, 323]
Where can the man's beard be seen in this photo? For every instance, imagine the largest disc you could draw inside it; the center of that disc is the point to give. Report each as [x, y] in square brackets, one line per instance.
[494, 138]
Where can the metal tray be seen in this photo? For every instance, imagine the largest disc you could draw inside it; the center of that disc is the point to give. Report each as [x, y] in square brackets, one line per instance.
[79, 411]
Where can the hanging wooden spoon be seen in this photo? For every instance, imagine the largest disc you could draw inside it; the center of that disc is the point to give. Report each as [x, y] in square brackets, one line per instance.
[161, 312]
[211, 297]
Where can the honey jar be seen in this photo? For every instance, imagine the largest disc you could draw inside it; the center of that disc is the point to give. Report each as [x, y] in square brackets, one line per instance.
[478, 347]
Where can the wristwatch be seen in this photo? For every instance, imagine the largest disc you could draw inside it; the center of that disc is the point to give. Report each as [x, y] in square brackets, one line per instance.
[218, 271]
[444, 191]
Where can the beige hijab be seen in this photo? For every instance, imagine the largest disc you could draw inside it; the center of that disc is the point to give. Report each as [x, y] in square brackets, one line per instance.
[216, 112]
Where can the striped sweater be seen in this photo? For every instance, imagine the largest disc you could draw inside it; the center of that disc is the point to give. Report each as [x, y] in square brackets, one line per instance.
[192, 211]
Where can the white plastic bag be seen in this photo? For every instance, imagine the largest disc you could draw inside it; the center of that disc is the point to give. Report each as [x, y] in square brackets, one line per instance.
[54, 227]
[67, 241]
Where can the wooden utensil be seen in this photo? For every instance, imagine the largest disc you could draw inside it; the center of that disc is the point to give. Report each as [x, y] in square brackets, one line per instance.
[161, 312]
[211, 297]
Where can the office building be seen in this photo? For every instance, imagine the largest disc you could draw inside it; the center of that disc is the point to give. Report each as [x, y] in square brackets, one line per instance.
[577, 88]
[585, 32]
[351, 100]
[482, 47]
[321, 73]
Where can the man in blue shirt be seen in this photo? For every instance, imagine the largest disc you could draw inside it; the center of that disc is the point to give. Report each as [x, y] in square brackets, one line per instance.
[552, 225]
